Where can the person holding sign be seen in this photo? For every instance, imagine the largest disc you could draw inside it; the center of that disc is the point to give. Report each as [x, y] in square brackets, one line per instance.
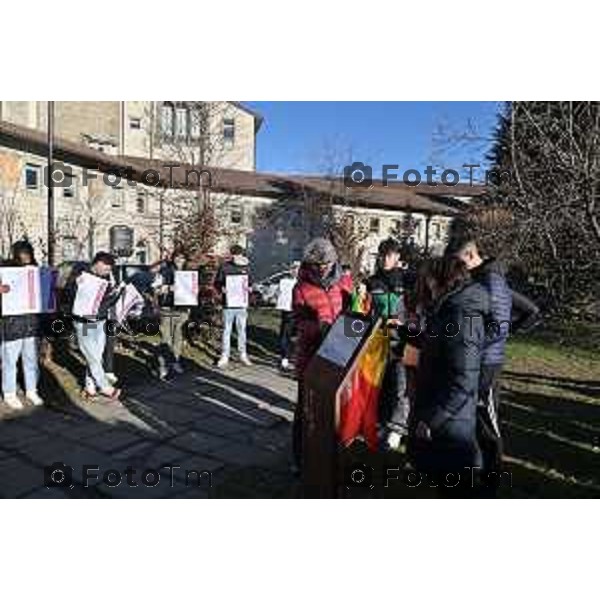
[94, 298]
[284, 304]
[319, 297]
[21, 332]
[174, 299]
[232, 281]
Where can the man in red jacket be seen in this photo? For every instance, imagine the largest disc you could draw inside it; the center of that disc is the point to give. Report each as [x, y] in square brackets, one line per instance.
[319, 297]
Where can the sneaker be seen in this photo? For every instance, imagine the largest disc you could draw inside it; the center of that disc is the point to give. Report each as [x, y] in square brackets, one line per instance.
[286, 365]
[163, 373]
[245, 360]
[178, 367]
[34, 398]
[13, 401]
[223, 362]
[112, 378]
[394, 440]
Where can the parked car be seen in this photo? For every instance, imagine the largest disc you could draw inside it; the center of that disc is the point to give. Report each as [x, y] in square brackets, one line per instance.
[265, 291]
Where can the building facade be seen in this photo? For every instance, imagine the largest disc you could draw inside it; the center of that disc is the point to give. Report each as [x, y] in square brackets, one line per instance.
[269, 215]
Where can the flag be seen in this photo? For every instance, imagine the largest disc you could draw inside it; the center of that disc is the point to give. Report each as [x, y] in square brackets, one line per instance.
[360, 399]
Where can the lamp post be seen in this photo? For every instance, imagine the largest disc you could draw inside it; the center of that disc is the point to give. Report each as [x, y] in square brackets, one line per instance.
[50, 184]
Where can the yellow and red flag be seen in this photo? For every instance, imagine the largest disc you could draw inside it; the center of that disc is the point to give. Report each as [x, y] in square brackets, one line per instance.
[360, 399]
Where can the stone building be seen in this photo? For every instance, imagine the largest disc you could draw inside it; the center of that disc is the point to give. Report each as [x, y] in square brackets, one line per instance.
[271, 215]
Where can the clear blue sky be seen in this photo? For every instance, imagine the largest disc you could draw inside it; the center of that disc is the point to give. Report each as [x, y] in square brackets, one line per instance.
[313, 137]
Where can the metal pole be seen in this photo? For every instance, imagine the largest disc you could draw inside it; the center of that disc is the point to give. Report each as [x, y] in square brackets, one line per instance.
[50, 184]
[160, 225]
[427, 223]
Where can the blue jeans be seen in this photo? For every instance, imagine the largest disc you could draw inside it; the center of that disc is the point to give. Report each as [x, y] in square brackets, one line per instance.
[240, 316]
[26, 348]
[91, 338]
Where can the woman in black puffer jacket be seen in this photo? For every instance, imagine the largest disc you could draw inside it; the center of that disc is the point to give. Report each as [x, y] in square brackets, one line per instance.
[448, 375]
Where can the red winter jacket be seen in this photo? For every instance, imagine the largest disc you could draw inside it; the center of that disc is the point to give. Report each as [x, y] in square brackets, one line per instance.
[316, 303]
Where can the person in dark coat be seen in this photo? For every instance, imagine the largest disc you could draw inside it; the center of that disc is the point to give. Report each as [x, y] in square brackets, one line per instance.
[172, 318]
[448, 376]
[20, 339]
[504, 303]
[386, 287]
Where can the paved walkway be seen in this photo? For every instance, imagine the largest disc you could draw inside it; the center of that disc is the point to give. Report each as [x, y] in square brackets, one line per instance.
[233, 424]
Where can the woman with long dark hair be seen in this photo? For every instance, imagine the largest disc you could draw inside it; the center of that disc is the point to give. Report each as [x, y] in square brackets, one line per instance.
[448, 376]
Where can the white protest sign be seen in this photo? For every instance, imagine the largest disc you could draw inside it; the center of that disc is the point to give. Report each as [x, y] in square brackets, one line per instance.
[284, 297]
[90, 293]
[236, 291]
[186, 288]
[129, 300]
[24, 295]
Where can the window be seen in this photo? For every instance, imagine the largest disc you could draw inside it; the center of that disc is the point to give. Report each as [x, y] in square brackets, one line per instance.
[166, 120]
[181, 123]
[69, 248]
[395, 228]
[141, 253]
[374, 225]
[417, 232]
[436, 230]
[236, 215]
[116, 197]
[229, 131]
[140, 203]
[195, 120]
[135, 123]
[32, 177]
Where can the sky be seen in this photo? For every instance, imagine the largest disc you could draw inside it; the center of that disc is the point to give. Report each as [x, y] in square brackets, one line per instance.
[318, 137]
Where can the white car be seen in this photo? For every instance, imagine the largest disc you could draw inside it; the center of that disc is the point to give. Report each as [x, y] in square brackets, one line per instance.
[266, 290]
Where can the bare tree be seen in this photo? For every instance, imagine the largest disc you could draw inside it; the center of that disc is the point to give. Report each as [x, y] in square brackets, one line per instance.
[191, 133]
[544, 218]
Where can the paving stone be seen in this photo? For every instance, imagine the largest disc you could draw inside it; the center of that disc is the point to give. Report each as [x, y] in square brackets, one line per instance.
[113, 440]
[18, 477]
[244, 454]
[151, 455]
[199, 442]
[14, 435]
[225, 426]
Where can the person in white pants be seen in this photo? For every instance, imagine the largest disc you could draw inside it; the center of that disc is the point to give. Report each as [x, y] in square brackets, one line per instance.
[20, 335]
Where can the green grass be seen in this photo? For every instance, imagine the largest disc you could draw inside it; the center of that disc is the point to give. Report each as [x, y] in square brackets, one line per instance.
[551, 414]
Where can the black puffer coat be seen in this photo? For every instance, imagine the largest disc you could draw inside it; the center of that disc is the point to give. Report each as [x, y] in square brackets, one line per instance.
[448, 377]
